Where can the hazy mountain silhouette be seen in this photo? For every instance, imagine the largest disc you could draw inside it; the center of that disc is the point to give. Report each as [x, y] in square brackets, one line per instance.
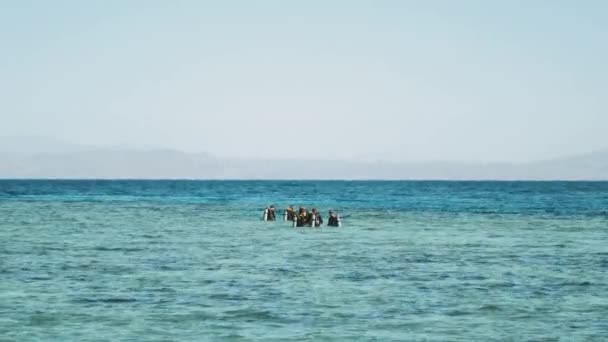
[50, 158]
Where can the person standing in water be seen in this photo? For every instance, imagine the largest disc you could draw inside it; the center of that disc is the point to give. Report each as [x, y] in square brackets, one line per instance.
[333, 220]
[269, 214]
[290, 214]
[302, 217]
[316, 219]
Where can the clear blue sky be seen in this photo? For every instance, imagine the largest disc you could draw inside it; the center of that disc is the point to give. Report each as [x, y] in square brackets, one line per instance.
[407, 80]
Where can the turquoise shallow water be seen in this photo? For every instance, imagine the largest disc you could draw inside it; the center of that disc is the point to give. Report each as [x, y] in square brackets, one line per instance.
[414, 261]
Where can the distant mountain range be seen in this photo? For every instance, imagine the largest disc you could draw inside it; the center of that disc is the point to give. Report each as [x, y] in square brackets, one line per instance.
[48, 158]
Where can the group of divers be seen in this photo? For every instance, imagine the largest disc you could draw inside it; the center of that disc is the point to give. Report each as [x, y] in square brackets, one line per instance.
[303, 218]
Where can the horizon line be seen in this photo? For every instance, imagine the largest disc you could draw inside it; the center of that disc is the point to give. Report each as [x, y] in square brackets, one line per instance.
[472, 180]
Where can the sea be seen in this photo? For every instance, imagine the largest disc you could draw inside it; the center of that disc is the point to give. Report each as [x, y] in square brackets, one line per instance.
[180, 260]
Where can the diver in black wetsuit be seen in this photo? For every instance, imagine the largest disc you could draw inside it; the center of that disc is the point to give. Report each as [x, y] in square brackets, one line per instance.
[302, 217]
[269, 214]
[318, 220]
[272, 216]
[290, 213]
[333, 220]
